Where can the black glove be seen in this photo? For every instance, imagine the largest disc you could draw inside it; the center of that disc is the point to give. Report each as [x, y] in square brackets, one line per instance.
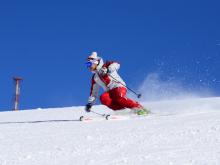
[88, 107]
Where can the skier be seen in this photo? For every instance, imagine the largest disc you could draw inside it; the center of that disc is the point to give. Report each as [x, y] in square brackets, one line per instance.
[106, 76]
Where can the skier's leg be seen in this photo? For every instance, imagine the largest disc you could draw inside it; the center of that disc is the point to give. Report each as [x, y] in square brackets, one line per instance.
[107, 100]
[119, 96]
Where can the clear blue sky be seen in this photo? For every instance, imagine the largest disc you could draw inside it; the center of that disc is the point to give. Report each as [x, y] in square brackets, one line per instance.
[47, 42]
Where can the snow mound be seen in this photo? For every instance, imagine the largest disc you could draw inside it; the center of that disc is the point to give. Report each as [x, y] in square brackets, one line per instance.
[186, 133]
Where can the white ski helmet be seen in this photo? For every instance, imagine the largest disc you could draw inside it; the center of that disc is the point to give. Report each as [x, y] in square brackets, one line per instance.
[96, 60]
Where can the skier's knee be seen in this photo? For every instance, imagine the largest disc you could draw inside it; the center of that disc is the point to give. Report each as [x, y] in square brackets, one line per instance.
[102, 99]
[105, 100]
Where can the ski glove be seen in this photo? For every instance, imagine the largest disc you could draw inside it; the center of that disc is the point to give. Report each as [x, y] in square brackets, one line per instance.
[103, 71]
[88, 107]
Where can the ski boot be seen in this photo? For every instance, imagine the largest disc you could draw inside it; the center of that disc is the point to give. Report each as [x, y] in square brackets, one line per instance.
[143, 112]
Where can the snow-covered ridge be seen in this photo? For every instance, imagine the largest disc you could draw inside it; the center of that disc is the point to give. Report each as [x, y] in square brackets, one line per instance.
[186, 133]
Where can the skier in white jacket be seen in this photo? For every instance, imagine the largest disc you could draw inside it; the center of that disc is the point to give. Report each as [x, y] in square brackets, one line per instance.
[106, 76]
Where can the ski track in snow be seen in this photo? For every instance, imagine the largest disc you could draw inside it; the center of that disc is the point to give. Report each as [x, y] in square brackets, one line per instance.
[185, 132]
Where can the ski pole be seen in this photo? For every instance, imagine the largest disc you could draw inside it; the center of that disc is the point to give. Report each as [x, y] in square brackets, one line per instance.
[98, 113]
[106, 116]
[138, 95]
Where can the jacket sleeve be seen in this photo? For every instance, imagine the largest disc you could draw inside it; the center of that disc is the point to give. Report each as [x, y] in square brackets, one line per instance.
[114, 66]
[94, 91]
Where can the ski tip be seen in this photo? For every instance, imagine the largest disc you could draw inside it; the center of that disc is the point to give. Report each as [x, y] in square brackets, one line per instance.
[107, 117]
[81, 118]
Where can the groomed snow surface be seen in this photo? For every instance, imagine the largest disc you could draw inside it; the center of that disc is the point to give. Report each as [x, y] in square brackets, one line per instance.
[181, 132]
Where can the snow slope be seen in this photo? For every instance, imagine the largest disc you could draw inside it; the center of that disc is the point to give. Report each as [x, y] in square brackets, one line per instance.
[184, 132]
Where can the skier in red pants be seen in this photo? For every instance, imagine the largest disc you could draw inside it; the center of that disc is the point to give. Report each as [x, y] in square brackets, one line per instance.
[106, 76]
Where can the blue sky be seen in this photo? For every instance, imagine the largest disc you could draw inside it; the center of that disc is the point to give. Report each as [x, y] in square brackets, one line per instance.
[47, 42]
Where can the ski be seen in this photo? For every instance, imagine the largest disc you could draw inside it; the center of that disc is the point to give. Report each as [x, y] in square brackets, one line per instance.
[111, 117]
[103, 118]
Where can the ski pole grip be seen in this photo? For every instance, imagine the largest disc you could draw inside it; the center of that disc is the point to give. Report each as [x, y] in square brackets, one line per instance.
[139, 96]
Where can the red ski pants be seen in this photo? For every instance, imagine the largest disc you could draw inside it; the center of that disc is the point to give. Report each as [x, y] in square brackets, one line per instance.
[116, 99]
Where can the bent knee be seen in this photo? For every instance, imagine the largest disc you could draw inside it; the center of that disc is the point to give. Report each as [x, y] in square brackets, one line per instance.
[104, 99]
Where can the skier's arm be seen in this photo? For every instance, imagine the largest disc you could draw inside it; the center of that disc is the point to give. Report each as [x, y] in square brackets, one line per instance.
[114, 66]
[93, 92]
[93, 95]
[110, 67]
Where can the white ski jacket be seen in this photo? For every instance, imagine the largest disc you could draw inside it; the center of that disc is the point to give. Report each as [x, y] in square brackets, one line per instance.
[109, 81]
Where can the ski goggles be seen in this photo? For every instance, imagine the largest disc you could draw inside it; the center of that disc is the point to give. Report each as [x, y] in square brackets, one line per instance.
[90, 63]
